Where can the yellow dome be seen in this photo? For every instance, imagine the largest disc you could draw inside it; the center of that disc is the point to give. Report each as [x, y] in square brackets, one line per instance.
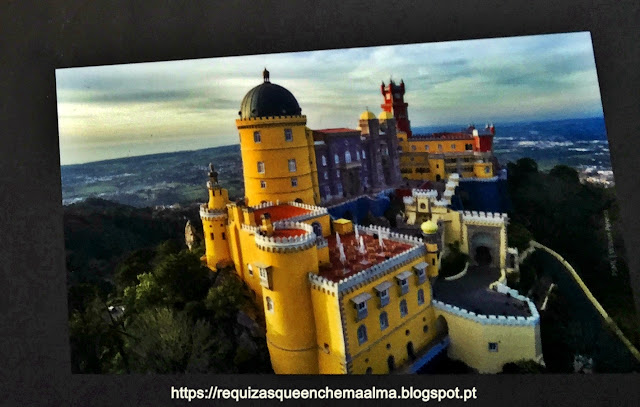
[429, 227]
[385, 116]
[367, 115]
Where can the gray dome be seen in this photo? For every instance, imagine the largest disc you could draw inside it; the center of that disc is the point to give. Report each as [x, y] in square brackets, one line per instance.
[269, 99]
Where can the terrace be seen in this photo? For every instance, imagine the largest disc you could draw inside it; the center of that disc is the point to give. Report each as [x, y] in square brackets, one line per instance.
[356, 262]
[280, 212]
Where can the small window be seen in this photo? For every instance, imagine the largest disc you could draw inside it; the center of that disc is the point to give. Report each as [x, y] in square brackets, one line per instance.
[426, 147]
[269, 304]
[439, 147]
[256, 137]
[364, 155]
[413, 148]
[263, 184]
[404, 285]
[294, 182]
[326, 175]
[337, 173]
[420, 296]
[260, 167]
[486, 170]
[336, 159]
[327, 190]
[339, 186]
[403, 308]
[358, 155]
[250, 269]
[493, 346]
[211, 234]
[292, 165]
[384, 321]
[362, 334]
[223, 236]
[324, 160]
[347, 157]
[453, 146]
[369, 370]
[288, 135]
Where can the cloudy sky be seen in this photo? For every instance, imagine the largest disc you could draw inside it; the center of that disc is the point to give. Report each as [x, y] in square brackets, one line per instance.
[129, 110]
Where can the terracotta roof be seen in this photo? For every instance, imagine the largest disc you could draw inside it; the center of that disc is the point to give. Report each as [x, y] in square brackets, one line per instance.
[338, 130]
[335, 272]
[279, 212]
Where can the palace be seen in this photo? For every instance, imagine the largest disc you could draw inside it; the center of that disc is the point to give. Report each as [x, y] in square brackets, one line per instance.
[340, 298]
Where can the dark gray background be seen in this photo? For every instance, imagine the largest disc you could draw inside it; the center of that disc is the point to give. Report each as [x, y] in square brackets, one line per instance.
[37, 37]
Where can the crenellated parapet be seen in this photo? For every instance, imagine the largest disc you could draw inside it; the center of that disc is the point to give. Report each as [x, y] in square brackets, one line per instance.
[424, 193]
[208, 214]
[492, 179]
[281, 244]
[485, 218]
[532, 320]
[386, 233]
[315, 211]
[323, 284]
[252, 229]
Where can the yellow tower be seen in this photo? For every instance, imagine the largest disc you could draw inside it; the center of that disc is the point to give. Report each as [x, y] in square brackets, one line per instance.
[431, 239]
[276, 147]
[285, 257]
[214, 223]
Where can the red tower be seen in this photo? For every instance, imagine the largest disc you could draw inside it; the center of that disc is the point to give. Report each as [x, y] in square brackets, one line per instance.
[394, 103]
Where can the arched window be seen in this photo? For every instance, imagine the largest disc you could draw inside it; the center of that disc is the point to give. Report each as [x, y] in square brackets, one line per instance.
[269, 304]
[364, 155]
[324, 160]
[358, 155]
[403, 308]
[337, 159]
[384, 321]
[347, 157]
[362, 334]
[420, 296]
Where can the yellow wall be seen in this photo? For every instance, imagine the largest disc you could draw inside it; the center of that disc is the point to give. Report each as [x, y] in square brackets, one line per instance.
[216, 240]
[275, 152]
[374, 352]
[291, 331]
[326, 311]
[483, 170]
[470, 343]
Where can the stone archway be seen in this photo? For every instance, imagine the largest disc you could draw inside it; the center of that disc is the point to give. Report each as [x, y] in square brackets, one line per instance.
[484, 248]
[441, 326]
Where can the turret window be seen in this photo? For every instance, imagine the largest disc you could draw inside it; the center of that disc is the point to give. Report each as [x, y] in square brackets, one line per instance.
[211, 234]
[256, 137]
[269, 304]
[263, 184]
[403, 308]
[294, 182]
[288, 135]
[292, 165]
[384, 321]
[420, 296]
[362, 334]
[260, 167]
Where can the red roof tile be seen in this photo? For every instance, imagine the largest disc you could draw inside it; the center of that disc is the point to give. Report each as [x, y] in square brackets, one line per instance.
[279, 212]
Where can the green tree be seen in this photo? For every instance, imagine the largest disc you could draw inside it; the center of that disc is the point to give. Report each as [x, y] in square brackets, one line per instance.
[518, 236]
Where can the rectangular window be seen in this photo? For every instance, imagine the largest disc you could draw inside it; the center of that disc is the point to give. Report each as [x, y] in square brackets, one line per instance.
[263, 184]
[288, 135]
[266, 279]
[294, 182]
[292, 165]
[382, 291]
[360, 305]
[211, 235]
[326, 175]
[223, 236]
[493, 346]
[384, 321]
[256, 137]
[426, 148]
[260, 167]
[453, 146]
[250, 268]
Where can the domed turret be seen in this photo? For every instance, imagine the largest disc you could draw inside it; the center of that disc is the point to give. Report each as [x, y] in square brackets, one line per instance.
[429, 227]
[367, 115]
[385, 116]
[269, 99]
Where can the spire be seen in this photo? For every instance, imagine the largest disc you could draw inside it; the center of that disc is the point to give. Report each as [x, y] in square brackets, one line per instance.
[213, 175]
[265, 75]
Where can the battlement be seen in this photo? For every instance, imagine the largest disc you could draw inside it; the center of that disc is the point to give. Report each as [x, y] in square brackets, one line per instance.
[206, 213]
[251, 120]
[442, 202]
[323, 284]
[532, 320]
[315, 211]
[492, 179]
[487, 218]
[386, 233]
[298, 241]
[253, 229]
[424, 193]
[408, 200]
